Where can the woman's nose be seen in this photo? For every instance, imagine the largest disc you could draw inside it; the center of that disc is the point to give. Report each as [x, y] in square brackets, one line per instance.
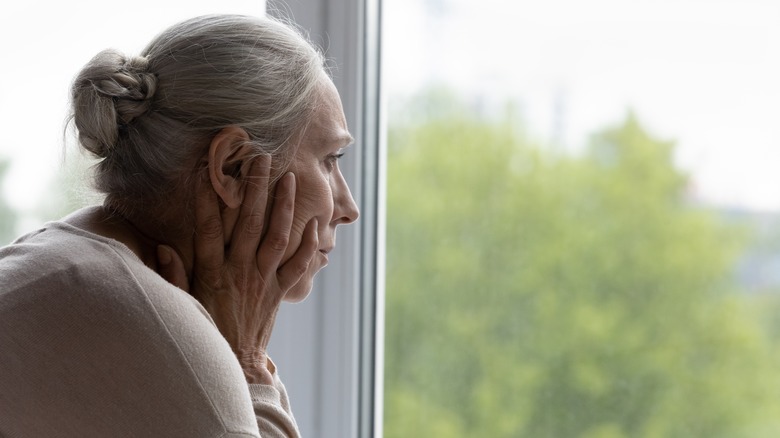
[345, 209]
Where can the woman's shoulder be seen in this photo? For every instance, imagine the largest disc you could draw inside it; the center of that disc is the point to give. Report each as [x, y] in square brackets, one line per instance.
[89, 330]
[62, 265]
[61, 262]
[58, 246]
[89, 280]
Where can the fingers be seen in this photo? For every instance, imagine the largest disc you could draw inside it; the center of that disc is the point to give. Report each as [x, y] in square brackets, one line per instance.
[275, 242]
[292, 271]
[209, 242]
[171, 267]
[251, 217]
[277, 239]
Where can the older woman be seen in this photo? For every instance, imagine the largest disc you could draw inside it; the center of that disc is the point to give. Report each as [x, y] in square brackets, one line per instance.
[219, 150]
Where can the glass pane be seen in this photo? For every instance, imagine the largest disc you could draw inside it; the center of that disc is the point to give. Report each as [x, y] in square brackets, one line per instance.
[583, 226]
[44, 45]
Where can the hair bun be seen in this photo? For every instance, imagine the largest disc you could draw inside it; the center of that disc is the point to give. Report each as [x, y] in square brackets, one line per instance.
[136, 89]
[109, 93]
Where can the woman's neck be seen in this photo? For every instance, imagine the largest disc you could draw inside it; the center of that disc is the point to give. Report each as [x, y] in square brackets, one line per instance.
[133, 233]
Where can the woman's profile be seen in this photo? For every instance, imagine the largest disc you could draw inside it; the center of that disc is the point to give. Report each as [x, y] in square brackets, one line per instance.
[150, 315]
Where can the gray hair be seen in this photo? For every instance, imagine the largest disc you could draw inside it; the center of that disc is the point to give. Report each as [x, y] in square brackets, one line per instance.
[151, 117]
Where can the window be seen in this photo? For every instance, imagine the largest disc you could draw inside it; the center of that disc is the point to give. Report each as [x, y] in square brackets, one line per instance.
[328, 345]
[582, 199]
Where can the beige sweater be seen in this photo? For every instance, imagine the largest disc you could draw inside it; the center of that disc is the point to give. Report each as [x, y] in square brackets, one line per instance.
[95, 344]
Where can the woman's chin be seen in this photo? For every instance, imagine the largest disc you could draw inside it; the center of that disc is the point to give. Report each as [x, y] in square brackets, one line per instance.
[303, 288]
[299, 292]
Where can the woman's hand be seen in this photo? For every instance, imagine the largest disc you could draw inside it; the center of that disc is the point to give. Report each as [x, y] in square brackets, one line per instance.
[242, 283]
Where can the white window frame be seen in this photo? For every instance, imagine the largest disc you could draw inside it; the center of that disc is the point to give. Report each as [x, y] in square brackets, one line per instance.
[329, 348]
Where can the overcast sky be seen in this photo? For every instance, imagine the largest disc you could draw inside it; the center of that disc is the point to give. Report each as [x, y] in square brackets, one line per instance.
[703, 72]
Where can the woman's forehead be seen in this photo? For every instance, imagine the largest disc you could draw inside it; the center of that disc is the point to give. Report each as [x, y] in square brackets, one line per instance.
[328, 124]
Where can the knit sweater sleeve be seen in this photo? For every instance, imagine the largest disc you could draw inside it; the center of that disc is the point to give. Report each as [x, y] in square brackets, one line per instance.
[273, 418]
[272, 408]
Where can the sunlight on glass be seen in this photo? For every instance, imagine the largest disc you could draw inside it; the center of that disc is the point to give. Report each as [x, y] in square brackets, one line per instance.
[583, 218]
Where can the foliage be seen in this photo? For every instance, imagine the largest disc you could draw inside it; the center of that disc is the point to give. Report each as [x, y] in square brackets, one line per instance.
[531, 293]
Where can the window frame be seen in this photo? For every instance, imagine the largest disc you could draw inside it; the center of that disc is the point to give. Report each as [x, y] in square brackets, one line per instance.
[329, 348]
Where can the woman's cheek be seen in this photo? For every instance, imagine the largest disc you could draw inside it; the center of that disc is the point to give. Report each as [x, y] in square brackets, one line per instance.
[316, 199]
[306, 201]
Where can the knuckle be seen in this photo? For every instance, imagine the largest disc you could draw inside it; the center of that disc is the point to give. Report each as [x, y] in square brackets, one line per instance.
[212, 275]
[254, 224]
[210, 227]
[278, 241]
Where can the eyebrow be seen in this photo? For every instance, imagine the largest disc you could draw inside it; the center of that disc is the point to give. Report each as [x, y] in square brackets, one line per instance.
[344, 139]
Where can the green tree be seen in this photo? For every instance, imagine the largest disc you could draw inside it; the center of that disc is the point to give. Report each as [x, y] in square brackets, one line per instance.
[530, 293]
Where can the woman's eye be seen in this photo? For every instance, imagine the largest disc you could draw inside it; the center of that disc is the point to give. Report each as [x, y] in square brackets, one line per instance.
[331, 160]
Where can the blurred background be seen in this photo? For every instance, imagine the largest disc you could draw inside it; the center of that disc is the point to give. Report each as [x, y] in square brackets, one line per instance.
[583, 237]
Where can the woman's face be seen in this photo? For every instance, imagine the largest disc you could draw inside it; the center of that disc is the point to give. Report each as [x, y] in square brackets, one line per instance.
[321, 191]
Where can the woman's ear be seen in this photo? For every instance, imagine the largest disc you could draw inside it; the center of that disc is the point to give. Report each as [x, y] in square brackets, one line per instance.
[227, 152]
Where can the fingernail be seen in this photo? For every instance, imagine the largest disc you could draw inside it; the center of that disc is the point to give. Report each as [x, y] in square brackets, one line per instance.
[289, 179]
[163, 255]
